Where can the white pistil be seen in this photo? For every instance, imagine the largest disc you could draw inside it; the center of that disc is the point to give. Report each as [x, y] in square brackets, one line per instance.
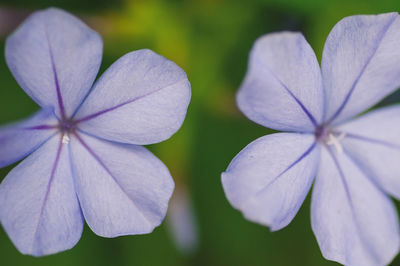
[65, 139]
[335, 141]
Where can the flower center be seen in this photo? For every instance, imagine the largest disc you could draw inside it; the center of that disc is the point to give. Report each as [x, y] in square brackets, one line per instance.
[66, 127]
[328, 137]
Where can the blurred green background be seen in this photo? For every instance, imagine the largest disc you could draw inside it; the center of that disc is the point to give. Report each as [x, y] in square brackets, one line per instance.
[210, 40]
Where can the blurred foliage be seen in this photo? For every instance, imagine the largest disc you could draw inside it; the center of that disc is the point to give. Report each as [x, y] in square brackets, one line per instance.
[210, 40]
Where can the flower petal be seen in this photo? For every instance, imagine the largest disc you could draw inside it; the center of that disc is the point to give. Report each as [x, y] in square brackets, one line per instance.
[269, 179]
[354, 222]
[283, 87]
[20, 139]
[55, 59]
[38, 206]
[141, 99]
[123, 189]
[373, 141]
[360, 64]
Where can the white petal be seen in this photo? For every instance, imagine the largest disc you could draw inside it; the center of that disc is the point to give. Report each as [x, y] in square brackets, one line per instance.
[355, 223]
[123, 189]
[360, 64]
[373, 140]
[269, 179]
[283, 87]
[38, 206]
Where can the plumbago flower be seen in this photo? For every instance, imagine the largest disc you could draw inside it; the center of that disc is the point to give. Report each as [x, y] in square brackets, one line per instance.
[84, 160]
[356, 161]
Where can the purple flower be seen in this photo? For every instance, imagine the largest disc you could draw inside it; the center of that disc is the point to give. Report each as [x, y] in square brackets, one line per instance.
[356, 163]
[84, 160]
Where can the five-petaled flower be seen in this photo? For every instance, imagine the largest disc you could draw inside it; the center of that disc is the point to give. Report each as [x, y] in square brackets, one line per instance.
[84, 160]
[356, 162]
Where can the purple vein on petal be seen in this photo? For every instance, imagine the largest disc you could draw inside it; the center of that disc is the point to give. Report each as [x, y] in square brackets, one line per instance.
[300, 103]
[35, 148]
[347, 98]
[305, 110]
[341, 174]
[56, 82]
[350, 200]
[73, 173]
[342, 179]
[97, 158]
[81, 102]
[305, 154]
[363, 169]
[373, 141]
[53, 171]
[89, 117]
[40, 127]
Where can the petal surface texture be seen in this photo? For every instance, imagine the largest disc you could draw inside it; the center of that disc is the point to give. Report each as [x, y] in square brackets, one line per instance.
[373, 141]
[55, 59]
[269, 179]
[360, 64]
[141, 99]
[20, 139]
[123, 189]
[354, 221]
[283, 87]
[39, 208]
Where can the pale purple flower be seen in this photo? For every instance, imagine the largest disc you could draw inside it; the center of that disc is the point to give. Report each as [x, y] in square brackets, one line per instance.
[85, 162]
[182, 223]
[356, 163]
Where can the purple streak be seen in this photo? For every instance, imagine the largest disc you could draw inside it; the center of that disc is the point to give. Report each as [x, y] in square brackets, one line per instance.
[347, 98]
[97, 158]
[53, 171]
[374, 141]
[53, 66]
[305, 110]
[40, 127]
[307, 152]
[86, 118]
